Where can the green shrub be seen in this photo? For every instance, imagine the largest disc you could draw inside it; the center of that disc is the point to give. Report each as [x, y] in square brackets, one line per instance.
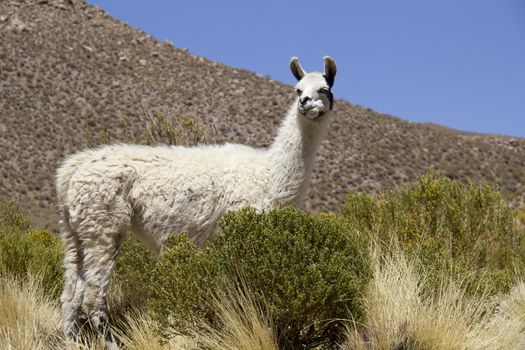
[132, 276]
[182, 285]
[24, 251]
[38, 253]
[448, 226]
[11, 218]
[438, 266]
[308, 269]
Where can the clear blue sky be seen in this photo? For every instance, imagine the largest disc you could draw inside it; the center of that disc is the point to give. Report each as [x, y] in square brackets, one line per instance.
[458, 63]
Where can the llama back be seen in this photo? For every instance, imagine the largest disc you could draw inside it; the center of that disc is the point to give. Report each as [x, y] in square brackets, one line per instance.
[71, 165]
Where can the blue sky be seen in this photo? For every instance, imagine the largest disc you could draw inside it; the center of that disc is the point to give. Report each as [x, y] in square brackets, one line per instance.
[458, 63]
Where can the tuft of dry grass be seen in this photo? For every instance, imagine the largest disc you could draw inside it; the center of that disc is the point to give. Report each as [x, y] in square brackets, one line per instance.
[401, 315]
[141, 333]
[28, 318]
[513, 304]
[243, 322]
[161, 128]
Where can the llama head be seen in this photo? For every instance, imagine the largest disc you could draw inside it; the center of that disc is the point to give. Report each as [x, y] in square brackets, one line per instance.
[314, 89]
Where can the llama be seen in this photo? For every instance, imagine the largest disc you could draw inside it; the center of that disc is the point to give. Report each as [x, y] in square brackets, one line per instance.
[154, 191]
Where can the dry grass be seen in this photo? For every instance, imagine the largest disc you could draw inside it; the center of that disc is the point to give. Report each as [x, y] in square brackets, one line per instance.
[141, 334]
[401, 315]
[28, 318]
[31, 320]
[244, 323]
[161, 128]
[512, 306]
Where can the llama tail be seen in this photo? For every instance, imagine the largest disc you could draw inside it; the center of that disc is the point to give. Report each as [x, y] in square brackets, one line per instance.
[65, 171]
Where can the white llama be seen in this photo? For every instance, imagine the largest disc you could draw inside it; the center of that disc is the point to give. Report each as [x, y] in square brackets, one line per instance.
[154, 191]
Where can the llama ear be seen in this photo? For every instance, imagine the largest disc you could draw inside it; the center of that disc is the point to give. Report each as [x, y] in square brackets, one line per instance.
[329, 70]
[297, 71]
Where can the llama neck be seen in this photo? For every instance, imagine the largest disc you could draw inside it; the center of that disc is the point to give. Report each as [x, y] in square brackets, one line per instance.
[292, 155]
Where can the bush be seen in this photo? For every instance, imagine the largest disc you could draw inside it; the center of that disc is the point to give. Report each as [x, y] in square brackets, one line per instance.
[36, 253]
[11, 218]
[162, 128]
[308, 269]
[182, 285]
[463, 229]
[25, 252]
[132, 277]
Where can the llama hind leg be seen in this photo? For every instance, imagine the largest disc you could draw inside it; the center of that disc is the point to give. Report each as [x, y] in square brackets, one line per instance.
[100, 253]
[72, 293]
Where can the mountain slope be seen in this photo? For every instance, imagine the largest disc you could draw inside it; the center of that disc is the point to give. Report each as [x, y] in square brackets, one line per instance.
[68, 69]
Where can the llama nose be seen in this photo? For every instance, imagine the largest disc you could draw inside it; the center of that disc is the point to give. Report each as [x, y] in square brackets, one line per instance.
[304, 99]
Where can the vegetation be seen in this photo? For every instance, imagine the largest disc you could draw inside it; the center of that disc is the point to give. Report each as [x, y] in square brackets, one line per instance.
[444, 259]
[467, 230]
[29, 317]
[307, 269]
[401, 315]
[158, 127]
[131, 281]
[25, 252]
[435, 265]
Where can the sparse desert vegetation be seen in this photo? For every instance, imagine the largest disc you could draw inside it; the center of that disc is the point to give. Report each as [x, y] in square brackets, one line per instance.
[435, 265]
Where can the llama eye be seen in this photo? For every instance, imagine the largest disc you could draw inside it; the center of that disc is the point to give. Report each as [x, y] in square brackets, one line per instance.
[324, 91]
[299, 91]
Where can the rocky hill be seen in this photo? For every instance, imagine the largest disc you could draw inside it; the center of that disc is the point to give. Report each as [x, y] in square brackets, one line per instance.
[69, 70]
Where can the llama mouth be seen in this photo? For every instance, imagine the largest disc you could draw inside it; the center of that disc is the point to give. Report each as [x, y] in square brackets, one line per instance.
[311, 112]
[305, 110]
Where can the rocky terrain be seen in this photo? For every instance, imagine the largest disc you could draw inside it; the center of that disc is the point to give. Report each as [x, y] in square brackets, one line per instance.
[68, 70]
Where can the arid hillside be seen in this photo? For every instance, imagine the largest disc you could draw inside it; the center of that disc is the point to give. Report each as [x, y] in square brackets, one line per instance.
[68, 70]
